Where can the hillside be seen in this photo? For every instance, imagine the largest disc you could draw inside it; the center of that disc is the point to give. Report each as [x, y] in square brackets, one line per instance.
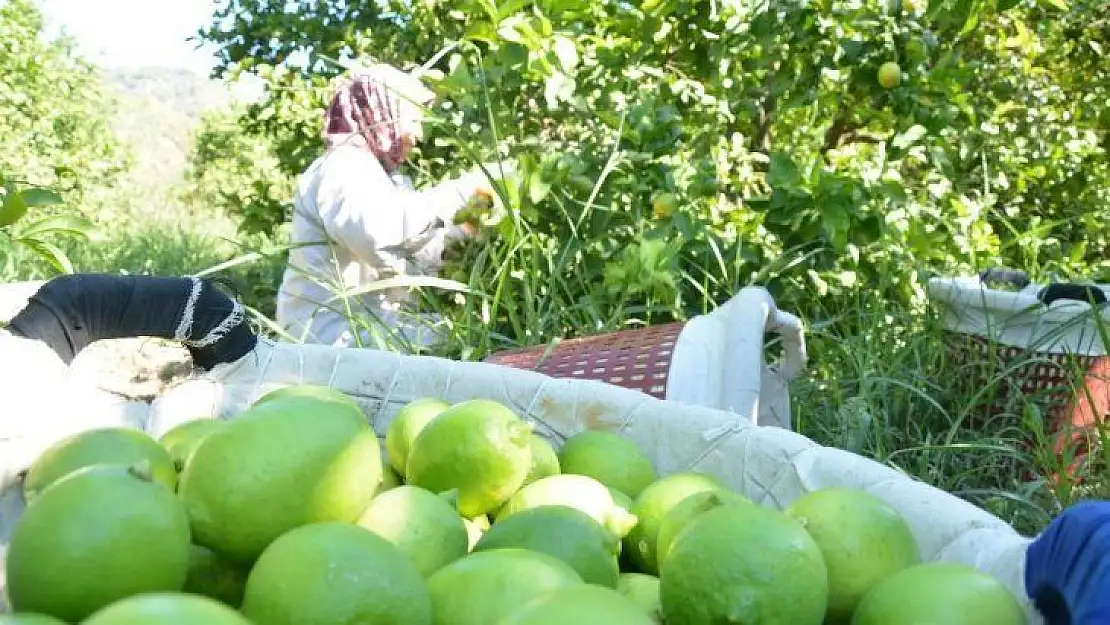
[158, 112]
[187, 93]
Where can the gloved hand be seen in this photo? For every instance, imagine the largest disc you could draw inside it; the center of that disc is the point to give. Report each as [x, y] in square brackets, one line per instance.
[1067, 567]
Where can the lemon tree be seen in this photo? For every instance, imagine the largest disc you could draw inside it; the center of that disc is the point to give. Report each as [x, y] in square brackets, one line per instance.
[773, 127]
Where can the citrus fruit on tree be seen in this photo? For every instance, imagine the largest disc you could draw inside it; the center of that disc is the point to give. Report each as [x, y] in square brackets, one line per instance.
[545, 462]
[213, 576]
[29, 618]
[575, 491]
[327, 573]
[280, 464]
[688, 509]
[643, 590]
[862, 540]
[406, 425]
[182, 439]
[565, 533]
[113, 445]
[486, 586]
[479, 447]
[652, 505]
[890, 75]
[421, 524]
[663, 205]
[610, 459]
[95, 536]
[577, 605]
[939, 592]
[743, 564]
[166, 608]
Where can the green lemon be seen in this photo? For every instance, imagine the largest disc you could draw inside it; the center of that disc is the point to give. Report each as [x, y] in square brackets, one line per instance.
[95, 536]
[213, 576]
[681, 514]
[421, 524]
[486, 586]
[565, 533]
[743, 564]
[182, 439]
[575, 491]
[652, 505]
[312, 392]
[939, 592]
[327, 573]
[890, 75]
[284, 463]
[478, 447]
[545, 462]
[610, 459]
[29, 618]
[577, 605]
[115, 445]
[406, 425]
[862, 539]
[643, 590]
[167, 609]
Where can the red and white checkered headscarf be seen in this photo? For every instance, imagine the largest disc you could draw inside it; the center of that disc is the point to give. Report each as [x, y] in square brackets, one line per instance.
[380, 104]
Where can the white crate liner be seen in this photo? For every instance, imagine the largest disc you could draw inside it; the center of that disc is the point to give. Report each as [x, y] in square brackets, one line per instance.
[718, 360]
[1018, 318]
[771, 465]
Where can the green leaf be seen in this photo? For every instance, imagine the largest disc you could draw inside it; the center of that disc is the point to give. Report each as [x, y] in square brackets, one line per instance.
[13, 208]
[1059, 4]
[73, 225]
[783, 173]
[39, 198]
[50, 253]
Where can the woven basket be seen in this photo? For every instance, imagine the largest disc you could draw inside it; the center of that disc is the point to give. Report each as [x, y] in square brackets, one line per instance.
[1073, 408]
[1029, 347]
[715, 360]
[638, 359]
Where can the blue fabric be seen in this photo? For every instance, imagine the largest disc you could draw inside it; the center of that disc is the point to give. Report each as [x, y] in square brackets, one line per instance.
[1067, 567]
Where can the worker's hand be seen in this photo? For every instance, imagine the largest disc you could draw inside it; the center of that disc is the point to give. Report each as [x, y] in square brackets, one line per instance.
[481, 204]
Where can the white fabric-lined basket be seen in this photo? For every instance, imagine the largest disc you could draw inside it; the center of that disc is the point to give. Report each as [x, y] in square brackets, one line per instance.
[770, 465]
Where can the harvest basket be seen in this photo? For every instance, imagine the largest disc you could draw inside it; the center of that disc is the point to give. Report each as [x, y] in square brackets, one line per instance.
[771, 466]
[715, 360]
[1046, 343]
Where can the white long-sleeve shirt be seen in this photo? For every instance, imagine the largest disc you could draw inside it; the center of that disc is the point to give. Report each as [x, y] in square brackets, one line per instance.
[353, 225]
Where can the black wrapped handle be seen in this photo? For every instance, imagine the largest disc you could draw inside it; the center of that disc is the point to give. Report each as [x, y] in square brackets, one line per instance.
[69, 313]
[1079, 292]
[1061, 290]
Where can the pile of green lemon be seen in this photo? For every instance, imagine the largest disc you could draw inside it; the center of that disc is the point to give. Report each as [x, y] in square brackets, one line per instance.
[297, 513]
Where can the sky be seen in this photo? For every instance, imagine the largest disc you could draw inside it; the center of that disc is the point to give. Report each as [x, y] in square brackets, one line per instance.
[134, 33]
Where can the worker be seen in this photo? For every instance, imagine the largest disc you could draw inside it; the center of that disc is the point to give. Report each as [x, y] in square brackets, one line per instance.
[358, 221]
